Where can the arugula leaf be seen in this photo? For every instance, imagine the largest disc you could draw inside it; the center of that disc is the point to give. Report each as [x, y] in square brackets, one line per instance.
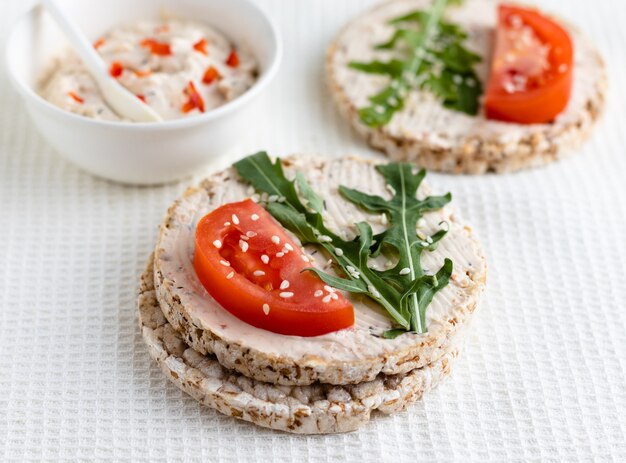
[312, 198]
[404, 290]
[432, 58]
[392, 68]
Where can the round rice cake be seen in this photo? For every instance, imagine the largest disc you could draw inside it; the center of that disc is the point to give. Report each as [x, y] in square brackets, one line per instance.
[441, 139]
[314, 409]
[347, 356]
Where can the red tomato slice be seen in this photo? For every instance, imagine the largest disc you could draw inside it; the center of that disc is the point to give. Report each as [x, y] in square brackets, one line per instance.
[531, 72]
[251, 266]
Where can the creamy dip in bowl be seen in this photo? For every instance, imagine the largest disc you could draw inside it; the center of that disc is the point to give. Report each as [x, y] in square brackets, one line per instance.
[180, 68]
[92, 136]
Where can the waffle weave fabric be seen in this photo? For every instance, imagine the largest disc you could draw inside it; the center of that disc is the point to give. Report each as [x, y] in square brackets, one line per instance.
[542, 376]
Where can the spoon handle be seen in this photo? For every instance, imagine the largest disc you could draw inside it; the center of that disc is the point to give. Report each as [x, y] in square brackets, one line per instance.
[81, 45]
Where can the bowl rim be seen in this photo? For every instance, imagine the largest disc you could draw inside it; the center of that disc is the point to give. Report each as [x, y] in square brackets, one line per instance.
[263, 81]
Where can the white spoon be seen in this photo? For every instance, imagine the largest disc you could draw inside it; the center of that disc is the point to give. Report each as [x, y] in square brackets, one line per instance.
[123, 102]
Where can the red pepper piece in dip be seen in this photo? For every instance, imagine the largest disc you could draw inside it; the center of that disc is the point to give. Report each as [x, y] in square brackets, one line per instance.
[75, 97]
[116, 69]
[233, 59]
[195, 100]
[200, 46]
[156, 47]
[98, 43]
[210, 75]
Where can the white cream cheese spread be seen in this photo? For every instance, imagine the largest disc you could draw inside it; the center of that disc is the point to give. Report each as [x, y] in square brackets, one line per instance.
[179, 68]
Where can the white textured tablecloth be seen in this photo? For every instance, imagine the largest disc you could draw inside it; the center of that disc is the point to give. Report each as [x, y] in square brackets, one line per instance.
[543, 376]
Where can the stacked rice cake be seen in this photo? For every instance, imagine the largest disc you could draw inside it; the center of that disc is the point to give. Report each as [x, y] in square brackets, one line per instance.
[322, 384]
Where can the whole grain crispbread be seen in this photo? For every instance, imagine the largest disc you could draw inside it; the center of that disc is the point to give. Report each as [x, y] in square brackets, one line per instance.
[347, 356]
[314, 409]
[436, 138]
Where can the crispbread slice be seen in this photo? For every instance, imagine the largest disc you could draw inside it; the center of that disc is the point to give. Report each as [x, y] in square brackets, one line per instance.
[315, 409]
[347, 356]
[440, 139]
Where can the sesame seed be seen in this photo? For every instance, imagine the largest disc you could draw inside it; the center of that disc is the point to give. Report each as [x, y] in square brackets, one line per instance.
[304, 258]
[227, 224]
[286, 294]
[250, 190]
[339, 252]
[284, 284]
[217, 244]
[235, 219]
[230, 275]
[350, 268]
[373, 290]
[255, 198]
[429, 239]
[254, 217]
[421, 223]
[424, 243]
[280, 254]
[391, 189]
[275, 239]
[420, 235]
[288, 247]
[243, 245]
[318, 293]
[251, 234]
[265, 259]
[383, 219]
[266, 309]
[405, 271]
[326, 299]
[243, 237]
[325, 239]
[330, 289]
[225, 263]
[258, 273]
[334, 296]
[272, 198]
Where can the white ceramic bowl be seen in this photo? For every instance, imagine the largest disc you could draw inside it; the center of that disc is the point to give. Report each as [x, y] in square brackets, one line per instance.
[140, 153]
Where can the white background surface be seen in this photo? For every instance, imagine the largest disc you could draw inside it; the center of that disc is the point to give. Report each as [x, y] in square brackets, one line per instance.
[542, 378]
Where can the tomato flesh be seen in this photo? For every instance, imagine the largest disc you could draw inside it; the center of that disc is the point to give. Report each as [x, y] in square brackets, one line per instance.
[251, 267]
[531, 71]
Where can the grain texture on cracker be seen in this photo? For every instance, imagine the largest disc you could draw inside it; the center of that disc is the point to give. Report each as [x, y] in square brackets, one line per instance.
[440, 139]
[314, 409]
